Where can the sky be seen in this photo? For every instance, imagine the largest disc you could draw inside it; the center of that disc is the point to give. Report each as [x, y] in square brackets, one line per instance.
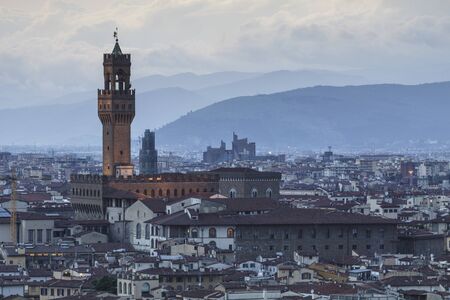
[51, 48]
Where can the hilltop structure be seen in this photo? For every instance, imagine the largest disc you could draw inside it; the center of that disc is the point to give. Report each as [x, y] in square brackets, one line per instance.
[241, 150]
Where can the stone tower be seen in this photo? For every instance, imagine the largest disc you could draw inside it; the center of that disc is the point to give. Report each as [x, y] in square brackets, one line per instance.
[116, 109]
[148, 156]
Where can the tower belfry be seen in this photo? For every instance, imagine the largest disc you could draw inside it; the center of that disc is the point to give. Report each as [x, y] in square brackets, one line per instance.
[116, 110]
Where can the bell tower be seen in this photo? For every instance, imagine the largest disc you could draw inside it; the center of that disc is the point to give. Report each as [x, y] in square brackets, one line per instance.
[116, 110]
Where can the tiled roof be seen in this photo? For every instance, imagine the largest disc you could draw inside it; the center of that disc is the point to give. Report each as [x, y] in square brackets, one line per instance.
[155, 205]
[247, 204]
[323, 288]
[281, 216]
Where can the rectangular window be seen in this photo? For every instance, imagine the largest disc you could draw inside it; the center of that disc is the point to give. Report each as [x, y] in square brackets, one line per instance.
[299, 247]
[354, 247]
[52, 292]
[341, 233]
[300, 234]
[286, 248]
[355, 233]
[48, 236]
[382, 246]
[368, 233]
[340, 247]
[327, 247]
[30, 235]
[313, 233]
[328, 234]
[272, 236]
[39, 236]
[368, 247]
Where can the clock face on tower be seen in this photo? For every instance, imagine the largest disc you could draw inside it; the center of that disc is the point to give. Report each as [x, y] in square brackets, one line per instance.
[116, 110]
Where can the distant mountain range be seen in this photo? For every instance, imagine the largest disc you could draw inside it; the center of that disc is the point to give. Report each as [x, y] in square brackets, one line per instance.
[72, 119]
[190, 113]
[384, 116]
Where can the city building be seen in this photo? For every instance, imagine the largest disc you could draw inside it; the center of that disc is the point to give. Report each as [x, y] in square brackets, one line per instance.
[116, 110]
[148, 155]
[241, 150]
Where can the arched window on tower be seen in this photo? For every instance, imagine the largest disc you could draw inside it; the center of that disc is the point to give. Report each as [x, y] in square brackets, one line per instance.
[212, 233]
[232, 193]
[120, 80]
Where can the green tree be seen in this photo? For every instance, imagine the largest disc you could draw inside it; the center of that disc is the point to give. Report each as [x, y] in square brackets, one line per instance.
[106, 284]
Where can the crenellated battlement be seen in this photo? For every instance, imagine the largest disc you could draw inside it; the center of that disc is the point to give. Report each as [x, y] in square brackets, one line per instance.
[103, 92]
[171, 177]
[121, 58]
[88, 178]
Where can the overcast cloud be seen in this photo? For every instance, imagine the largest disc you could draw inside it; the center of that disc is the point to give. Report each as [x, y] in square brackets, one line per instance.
[49, 48]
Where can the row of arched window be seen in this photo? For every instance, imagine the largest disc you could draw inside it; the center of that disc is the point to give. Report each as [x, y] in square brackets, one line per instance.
[212, 233]
[85, 192]
[168, 192]
[254, 193]
[149, 231]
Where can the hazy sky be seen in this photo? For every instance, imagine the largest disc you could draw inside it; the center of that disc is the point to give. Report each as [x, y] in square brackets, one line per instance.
[53, 47]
